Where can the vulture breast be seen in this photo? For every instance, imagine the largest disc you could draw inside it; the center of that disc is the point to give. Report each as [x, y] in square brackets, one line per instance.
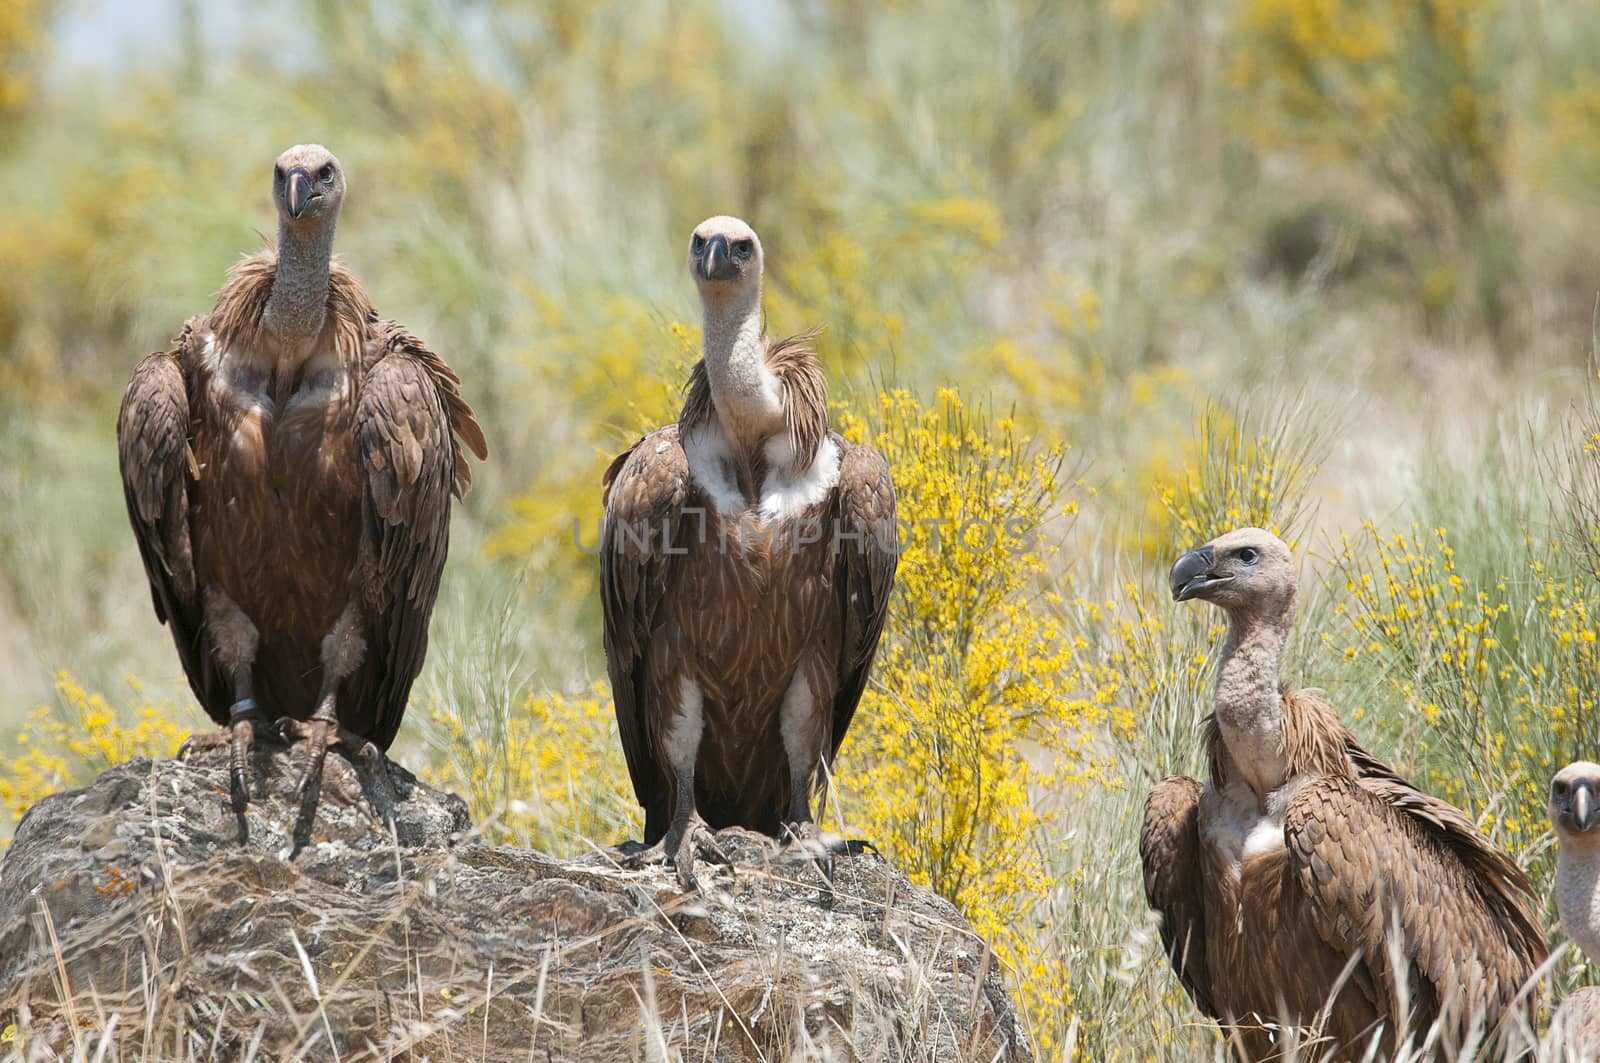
[750, 619]
[280, 495]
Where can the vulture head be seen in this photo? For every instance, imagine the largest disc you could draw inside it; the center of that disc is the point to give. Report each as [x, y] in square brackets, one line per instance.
[725, 258]
[307, 185]
[1574, 800]
[1248, 571]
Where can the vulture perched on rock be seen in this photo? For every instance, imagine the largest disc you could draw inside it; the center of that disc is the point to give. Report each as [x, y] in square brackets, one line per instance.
[746, 561]
[1309, 897]
[288, 467]
[1574, 812]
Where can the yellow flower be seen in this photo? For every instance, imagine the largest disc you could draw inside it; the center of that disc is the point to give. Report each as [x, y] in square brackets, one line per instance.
[69, 743]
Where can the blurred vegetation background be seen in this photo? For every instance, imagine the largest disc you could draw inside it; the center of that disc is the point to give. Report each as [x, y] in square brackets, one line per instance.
[1127, 273]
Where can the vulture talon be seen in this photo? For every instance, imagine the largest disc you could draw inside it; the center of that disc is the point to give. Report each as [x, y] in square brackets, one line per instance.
[697, 838]
[323, 735]
[237, 736]
[203, 741]
[810, 842]
[319, 739]
[679, 848]
[242, 720]
[238, 760]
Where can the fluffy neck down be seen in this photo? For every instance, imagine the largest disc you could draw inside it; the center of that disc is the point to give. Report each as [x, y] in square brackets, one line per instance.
[746, 394]
[297, 308]
[1249, 702]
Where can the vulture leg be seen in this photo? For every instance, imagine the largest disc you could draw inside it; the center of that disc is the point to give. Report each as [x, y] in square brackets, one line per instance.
[243, 717]
[342, 651]
[234, 642]
[803, 743]
[687, 834]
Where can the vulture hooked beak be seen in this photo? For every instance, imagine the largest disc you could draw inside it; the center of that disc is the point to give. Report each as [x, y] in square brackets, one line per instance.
[1584, 809]
[299, 194]
[716, 262]
[1193, 573]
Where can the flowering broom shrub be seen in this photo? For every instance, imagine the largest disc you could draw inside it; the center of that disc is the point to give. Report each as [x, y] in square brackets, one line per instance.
[1399, 102]
[977, 708]
[596, 354]
[970, 663]
[1496, 678]
[549, 774]
[1480, 646]
[1398, 93]
[1239, 469]
[70, 742]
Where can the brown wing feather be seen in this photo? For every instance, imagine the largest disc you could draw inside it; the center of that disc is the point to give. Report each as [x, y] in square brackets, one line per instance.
[1465, 937]
[868, 555]
[645, 490]
[463, 422]
[1169, 848]
[1445, 822]
[157, 468]
[410, 465]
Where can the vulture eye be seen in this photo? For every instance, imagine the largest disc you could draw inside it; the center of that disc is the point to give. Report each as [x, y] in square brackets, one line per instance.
[1248, 555]
[326, 173]
[742, 249]
[698, 244]
[1558, 789]
[277, 174]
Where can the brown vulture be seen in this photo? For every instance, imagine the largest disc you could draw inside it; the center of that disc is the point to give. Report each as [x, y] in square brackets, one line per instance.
[1310, 897]
[747, 556]
[1574, 812]
[288, 467]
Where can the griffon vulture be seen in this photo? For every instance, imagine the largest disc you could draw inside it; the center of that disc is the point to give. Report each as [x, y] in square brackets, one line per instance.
[1574, 812]
[288, 467]
[747, 556]
[1309, 895]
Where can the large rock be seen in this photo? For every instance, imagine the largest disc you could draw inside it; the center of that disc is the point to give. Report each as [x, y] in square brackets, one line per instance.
[135, 901]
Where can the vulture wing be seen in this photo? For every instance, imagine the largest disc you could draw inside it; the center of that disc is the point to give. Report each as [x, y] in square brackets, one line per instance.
[1393, 872]
[157, 467]
[867, 557]
[645, 490]
[1169, 848]
[409, 418]
[1500, 875]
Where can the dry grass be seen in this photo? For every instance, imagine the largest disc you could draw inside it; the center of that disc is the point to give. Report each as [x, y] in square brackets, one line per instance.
[437, 1009]
[363, 949]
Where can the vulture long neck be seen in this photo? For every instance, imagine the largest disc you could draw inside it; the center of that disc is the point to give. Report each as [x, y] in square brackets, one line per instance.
[746, 394]
[1250, 699]
[1578, 892]
[295, 311]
